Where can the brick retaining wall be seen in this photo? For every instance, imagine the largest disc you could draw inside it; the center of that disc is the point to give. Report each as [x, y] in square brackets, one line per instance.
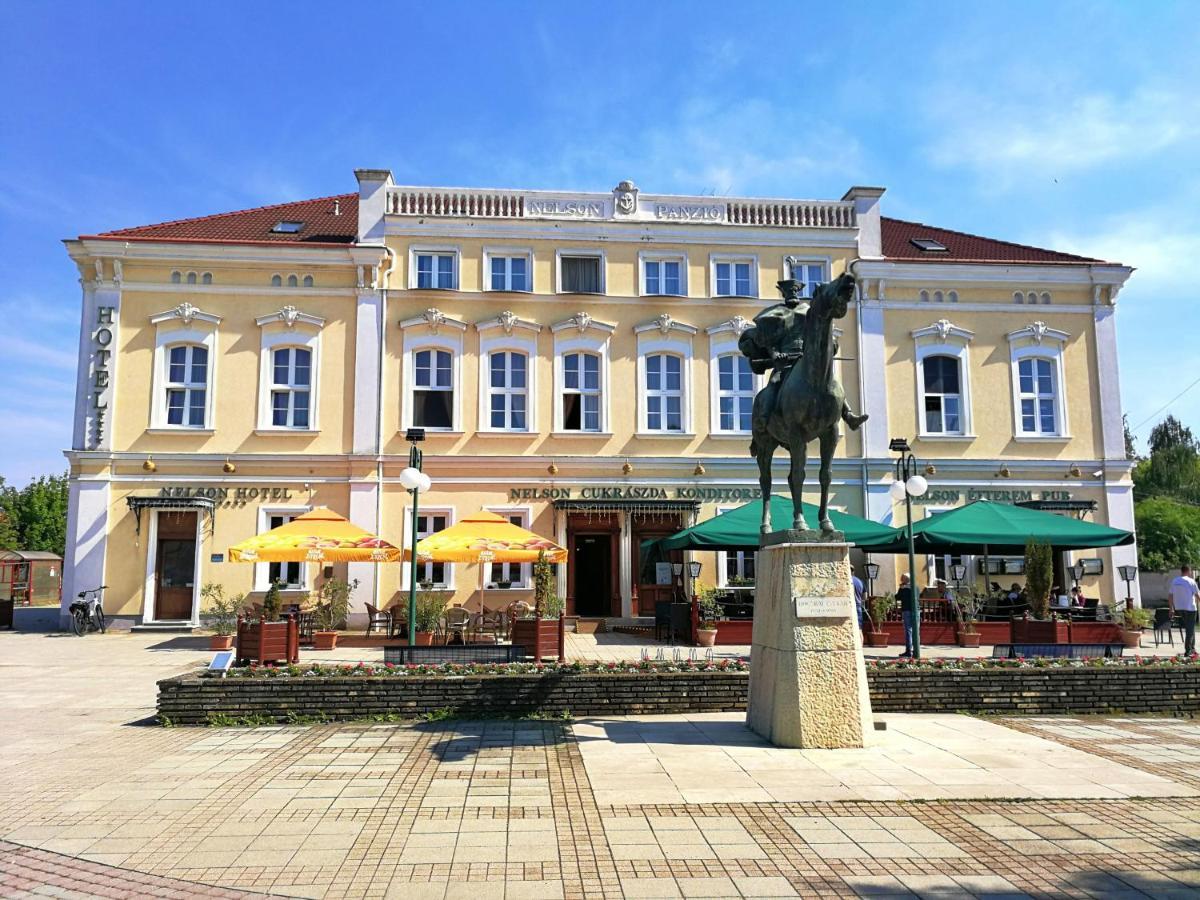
[189, 699]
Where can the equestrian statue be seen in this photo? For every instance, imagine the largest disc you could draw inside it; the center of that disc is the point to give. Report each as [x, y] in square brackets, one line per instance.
[803, 401]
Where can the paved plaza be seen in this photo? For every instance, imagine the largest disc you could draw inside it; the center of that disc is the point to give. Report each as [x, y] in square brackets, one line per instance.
[98, 803]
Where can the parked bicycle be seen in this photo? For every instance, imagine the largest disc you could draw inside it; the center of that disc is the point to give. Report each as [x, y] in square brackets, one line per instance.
[87, 613]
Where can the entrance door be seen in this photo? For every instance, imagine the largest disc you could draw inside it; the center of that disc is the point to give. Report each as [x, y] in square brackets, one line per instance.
[593, 574]
[649, 591]
[175, 566]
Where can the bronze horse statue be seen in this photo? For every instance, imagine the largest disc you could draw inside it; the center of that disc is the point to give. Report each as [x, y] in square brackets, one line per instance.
[806, 405]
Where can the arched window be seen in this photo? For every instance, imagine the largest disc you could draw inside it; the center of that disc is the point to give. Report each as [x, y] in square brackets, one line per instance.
[952, 296]
[206, 278]
[293, 281]
[191, 278]
[942, 395]
[1018, 297]
[433, 389]
[664, 392]
[186, 385]
[938, 298]
[735, 392]
[924, 296]
[508, 388]
[276, 281]
[581, 393]
[308, 281]
[1045, 298]
[291, 384]
[176, 278]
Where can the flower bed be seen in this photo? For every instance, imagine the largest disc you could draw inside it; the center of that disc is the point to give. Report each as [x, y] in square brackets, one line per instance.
[1038, 662]
[377, 670]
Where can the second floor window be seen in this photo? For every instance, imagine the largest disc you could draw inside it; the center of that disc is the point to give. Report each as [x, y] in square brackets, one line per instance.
[187, 385]
[664, 393]
[581, 275]
[663, 277]
[510, 273]
[508, 391]
[433, 391]
[735, 392]
[1038, 396]
[733, 279]
[435, 270]
[291, 385]
[581, 392]
[943, 395]
[809, 274]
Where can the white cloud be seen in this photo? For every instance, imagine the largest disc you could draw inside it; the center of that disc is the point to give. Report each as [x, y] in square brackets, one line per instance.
[1055, 135]
[1162, 250]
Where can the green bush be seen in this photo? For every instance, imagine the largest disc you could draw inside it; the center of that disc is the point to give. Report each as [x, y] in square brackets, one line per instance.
[1039, 576]
[221, 611]
[552, 606]
[710, 610]
[333, 603]
[270, 605]
[430, 607]
[1168, 534]
[879, 608]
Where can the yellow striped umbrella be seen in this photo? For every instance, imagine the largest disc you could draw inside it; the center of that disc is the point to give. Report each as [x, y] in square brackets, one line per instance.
[320, 535]
[486, 537]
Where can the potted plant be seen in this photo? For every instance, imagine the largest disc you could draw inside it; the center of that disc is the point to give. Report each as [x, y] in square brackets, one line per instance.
[1135, 619]
[430, 607]
[333, 606]
[710, 612]
[878, 609]
[1038, 626]
[222, 613]
[270, 604]
[967, 634]
[543, 634]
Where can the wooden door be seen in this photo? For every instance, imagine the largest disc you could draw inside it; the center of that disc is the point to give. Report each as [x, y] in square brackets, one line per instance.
[592, 565]
[175, 566]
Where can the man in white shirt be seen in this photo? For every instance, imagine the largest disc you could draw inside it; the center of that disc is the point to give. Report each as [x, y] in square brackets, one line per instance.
[1184, 593]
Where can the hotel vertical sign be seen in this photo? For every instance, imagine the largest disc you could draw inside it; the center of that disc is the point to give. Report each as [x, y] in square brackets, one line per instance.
[102, 339]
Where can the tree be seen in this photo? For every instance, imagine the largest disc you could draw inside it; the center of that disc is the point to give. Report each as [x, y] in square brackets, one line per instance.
[1039, 574]
[1130, 440]
[1168, 534]
[42, 514]
[10, 533]
[1170, 432]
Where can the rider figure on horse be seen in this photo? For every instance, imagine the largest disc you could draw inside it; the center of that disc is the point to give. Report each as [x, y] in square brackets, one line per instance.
[776, 341]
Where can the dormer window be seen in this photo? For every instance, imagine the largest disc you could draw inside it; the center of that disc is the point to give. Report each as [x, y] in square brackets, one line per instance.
[929, 245]
[287, 227]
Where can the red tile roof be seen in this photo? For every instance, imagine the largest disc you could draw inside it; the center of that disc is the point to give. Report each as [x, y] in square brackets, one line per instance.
[252, 226]
[961, 247]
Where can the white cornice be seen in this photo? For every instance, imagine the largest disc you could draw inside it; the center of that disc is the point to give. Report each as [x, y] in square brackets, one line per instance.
[995, 273]
[666, 325]
[212, 253]
[508, 320]
[291, 317]
[435, 320]
[943, 330]
[185, 313]
[581, 322]
[1039, 333]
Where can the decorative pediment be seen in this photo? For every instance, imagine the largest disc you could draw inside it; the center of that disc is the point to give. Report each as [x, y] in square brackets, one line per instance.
[581, 322]
[185, 314]
[1038, 333]
[735, 324]
[508, 321]
[944, 330]
[665, 324]
[290, 317]
[435, 320]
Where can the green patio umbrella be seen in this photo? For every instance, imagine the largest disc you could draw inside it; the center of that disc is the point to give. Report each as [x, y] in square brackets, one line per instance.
[989, 527]
[738, 529]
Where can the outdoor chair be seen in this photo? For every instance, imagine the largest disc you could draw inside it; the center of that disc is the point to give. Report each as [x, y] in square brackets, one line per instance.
[306, 622]
[1162, 626]
[457, 623]
[489, 624]
[378, 618]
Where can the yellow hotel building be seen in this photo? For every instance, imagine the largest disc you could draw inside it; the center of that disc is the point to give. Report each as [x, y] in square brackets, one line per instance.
[573, 360]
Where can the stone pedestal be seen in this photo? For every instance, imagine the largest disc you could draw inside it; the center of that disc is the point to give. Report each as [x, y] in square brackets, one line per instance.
[808, 681]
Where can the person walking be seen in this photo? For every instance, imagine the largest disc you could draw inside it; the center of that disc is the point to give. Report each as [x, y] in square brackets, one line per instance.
[860, 598]
[904, 596]
[1182, 600]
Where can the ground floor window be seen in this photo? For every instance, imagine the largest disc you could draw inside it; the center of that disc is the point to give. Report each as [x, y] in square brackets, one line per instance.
[433, 575]
[516, 576]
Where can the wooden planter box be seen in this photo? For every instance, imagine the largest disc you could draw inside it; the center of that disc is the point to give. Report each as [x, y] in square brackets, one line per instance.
[1040, 631]
[541, 638]
[263, 642]
[6, 613]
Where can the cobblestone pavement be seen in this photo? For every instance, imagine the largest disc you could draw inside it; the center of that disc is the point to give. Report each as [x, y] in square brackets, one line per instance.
[507, 809]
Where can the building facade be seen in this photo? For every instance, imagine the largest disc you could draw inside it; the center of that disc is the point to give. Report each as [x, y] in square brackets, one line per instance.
[573, 360]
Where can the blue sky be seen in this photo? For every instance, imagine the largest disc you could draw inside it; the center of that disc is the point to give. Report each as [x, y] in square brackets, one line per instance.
[1067, 125]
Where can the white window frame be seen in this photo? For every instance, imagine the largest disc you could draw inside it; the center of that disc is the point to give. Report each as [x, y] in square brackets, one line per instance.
[185, 324]
[932, 558]
[722, 341]
[582, 334]
[664, 335]
[262, 569]
[825, 262]
[750, 258]
[944, 339]
[288, 328]
[451, 569]
[1038, 340]
[723, 561]
[597, 252]
[428, 331]
[524, 570]
[507, 333]
[186, 386]
[434, 250]
[664, 256]
[506, 253]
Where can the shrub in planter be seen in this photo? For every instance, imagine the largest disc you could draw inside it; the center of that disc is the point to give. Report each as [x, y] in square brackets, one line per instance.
[710, 613]
[1135, 619]
[222, 613]
[430, 607]
[270, 604]
[332, 608]
[967, 634]
[1039, 577]
[878, 609]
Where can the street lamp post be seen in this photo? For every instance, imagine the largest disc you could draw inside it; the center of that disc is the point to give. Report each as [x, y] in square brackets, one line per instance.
[694, 568]
[872, 574]
[909, 484]
[1128, 573]
[415, 482]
